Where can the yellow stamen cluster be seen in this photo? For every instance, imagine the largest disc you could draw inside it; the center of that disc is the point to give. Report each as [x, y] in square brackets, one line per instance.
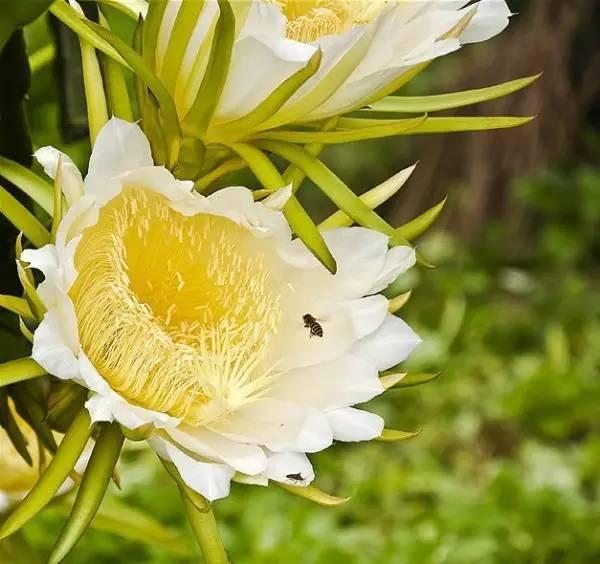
[175, 312]
[308, 20]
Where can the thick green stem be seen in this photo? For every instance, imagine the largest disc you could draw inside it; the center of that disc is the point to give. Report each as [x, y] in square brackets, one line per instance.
[205, 529]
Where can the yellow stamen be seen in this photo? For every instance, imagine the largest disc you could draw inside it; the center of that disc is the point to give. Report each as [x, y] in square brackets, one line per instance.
[176, 312]
[309, 20]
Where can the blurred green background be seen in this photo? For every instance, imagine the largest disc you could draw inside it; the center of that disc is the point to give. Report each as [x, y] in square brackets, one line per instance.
[507, 465]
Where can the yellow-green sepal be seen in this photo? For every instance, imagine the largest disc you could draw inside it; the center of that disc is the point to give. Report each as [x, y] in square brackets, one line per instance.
[392, 435]
[18, 370]
[23, 219]
[313, 493]
[420, 224]
[29, 183]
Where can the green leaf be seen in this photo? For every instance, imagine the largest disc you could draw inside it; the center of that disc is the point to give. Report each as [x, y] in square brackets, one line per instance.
[93, 486]
[300, 222]
[77, 23]
[420, 224]
[23, 219]
[332, 186]
[392, 435]
[243, 126]
[8, 423]
[398, 302]
[198, 118]
[19, 370]
[16, 305]
[146, 74]
[56, 473]
[314, 494]
[16, 13]
[439, 124]
[374, 131]
[29, 183]
[424, 104]
[373, 198]
[41, 58]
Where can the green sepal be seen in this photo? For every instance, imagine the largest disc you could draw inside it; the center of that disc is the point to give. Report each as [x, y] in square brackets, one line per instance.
[346, 134]
[93, 486]
[66, 400]
[313, 493]
[392, 435]
[23, 219]
[179, 38]
[196, 499]
[29, 183]
[33, 412]
[198, 118]
[77, 23]
[152, 23]
[170, 120]
[332, 186]
[8, 423]
[140, 433]
[16, 305]
[57, 200]
[424, 104]
[54, 476]
[27, 281]
[243, 126]
[420, 224]
[439, 124]
[373, 198]
[19, 370]
[393, 379]
[399, 302]
[299, 220]
[230, 165]
[117, 94]
[191, 158]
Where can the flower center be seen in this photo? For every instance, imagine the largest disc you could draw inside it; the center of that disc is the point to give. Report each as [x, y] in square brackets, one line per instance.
[308, 20]
[176, 312]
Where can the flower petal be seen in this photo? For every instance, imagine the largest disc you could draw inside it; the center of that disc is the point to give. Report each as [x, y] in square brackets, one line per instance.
[330, 385]
[351, 425]
[248, 459]
[120, 147]
[282, 465]
[397, 261]
[389, 345]
[72, 182]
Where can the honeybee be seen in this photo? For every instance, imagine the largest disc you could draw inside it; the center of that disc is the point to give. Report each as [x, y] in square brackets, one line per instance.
[295, 477]
[311, 323]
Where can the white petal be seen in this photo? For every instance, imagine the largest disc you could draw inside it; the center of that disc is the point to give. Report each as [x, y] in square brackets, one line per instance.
[342, 382]
[367, 314]
[278, 199]
[248, 459]
[277, 424]
[389, 345]
[120, 147]
[360, 255]
[351, 425]
[209, 479]
[285, 464]
[56, 341]
[397, 261]
[491, 18]
[72, 182]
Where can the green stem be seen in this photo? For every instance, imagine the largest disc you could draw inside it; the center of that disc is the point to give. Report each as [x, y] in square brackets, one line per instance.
[206, 531]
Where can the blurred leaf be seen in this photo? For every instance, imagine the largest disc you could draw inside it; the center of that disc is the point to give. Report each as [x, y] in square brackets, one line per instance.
[16, 13]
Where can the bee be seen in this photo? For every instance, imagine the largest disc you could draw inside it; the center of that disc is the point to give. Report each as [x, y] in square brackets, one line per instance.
[295, 477]
[311, 323]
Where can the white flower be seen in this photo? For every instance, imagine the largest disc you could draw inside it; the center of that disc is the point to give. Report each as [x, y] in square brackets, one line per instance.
[188, 313]
[366, 46]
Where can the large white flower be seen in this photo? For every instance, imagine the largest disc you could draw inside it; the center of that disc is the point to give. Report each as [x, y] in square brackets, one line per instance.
[365, 47]
[186, 315]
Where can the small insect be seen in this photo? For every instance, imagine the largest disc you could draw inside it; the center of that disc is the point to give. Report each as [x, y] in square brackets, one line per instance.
[311, 323]
[295, 477]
